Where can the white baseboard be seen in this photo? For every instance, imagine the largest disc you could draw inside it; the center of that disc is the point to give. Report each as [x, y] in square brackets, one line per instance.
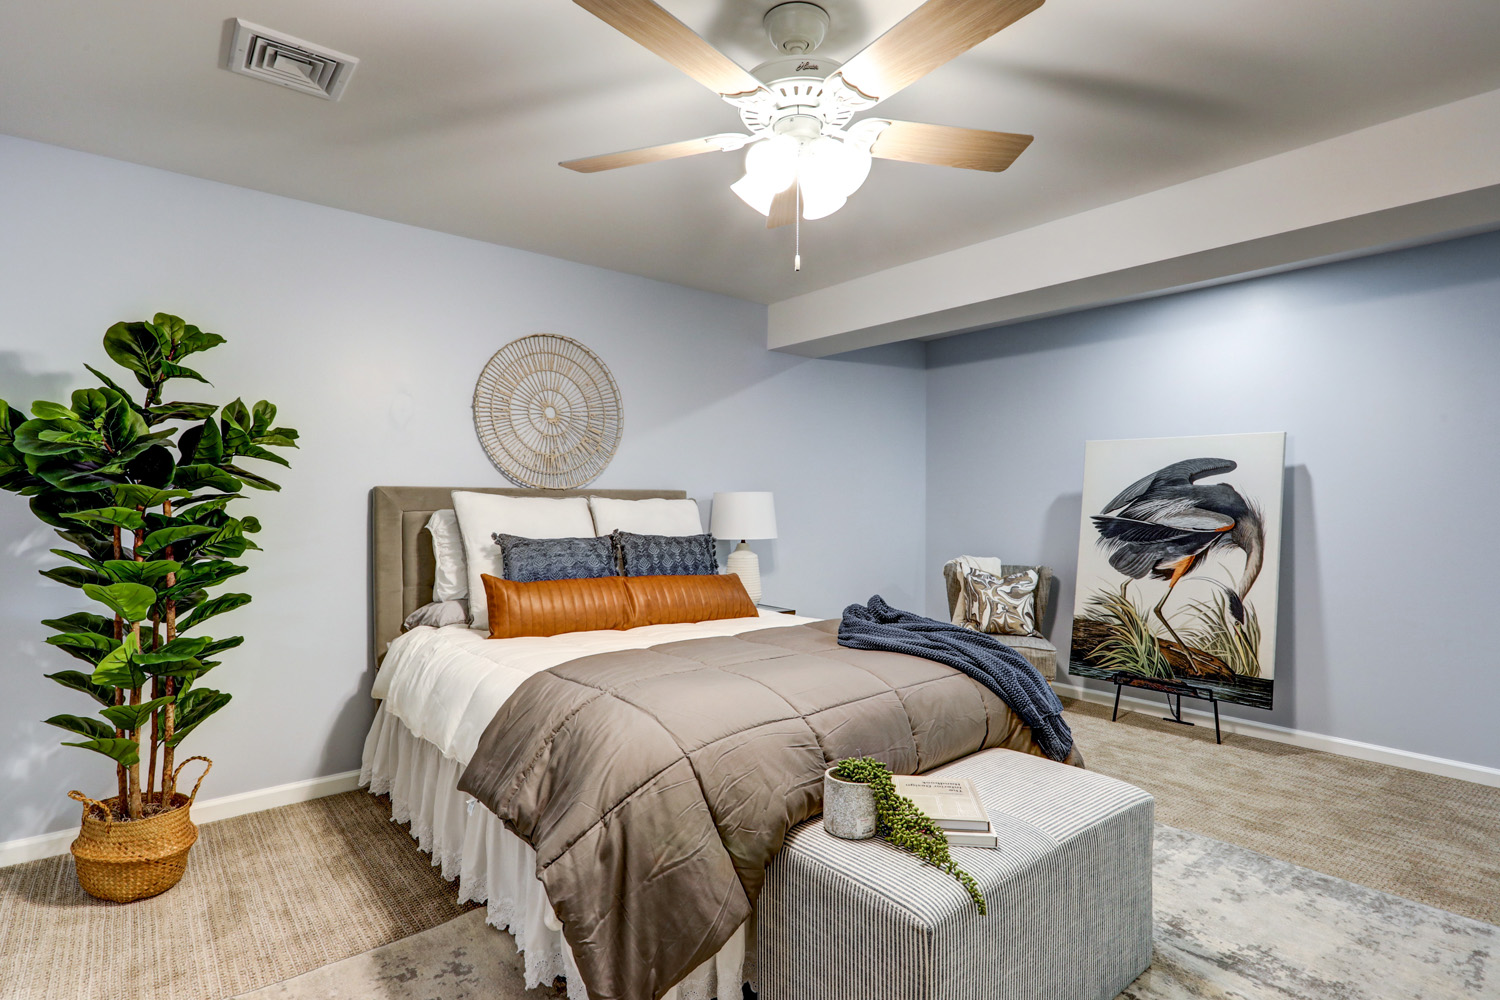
[1296, 737]
[45, 845]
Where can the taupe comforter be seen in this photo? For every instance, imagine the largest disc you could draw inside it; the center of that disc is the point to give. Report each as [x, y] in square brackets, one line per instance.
[656, 784]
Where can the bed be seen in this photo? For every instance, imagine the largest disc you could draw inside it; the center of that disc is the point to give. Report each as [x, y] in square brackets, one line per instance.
[440, 688]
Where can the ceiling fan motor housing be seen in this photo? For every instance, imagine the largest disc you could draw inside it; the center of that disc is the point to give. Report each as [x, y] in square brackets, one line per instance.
[796, 28]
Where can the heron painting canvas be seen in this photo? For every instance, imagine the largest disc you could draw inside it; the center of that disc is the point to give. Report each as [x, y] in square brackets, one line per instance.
[1178, 562]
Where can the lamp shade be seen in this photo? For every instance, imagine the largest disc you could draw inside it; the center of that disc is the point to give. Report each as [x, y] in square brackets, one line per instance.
[743, 515]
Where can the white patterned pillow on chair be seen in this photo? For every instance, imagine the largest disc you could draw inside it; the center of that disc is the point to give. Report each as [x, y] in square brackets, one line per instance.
[1001, 605]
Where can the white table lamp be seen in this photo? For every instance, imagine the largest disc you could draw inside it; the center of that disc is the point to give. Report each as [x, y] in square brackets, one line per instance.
[744, 516]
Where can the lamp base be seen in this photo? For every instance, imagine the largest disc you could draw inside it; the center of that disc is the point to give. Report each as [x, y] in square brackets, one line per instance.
[746, 565]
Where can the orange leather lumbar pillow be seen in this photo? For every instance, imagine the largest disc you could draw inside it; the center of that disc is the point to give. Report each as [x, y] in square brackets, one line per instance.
[549, 607]
[661, 600]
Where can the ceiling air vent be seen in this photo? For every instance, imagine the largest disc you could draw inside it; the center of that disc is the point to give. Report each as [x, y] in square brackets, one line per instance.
[290, 62]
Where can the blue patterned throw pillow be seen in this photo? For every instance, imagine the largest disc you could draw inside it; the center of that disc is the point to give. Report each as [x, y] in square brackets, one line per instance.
[666, 555]
[527, 560]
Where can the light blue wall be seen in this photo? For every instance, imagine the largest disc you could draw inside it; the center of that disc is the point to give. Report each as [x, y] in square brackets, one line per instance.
[1384, 371]
[369, 335]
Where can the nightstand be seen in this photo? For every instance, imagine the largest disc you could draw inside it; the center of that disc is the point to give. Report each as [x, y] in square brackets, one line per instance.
[772, 607]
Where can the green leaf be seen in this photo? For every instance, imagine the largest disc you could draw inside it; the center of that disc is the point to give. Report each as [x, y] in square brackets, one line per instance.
[208, 609]
[131, 601]
[251, 479]
[250, 524]
[135, 346]
[281, 437]
[197, 476]
[122, 517]
[147, 571]
[126, 752]
[170, 327]
[91, 404]
[193, 708]
[87, 562]
[236, 414]
[82, 621]
[83, 726]
[217, 646]
[74, 576]
[209, 573]
[154, 466]
[44, 410]
[44, 438]
[80, 681]
[181, 411]
[256, 451]
[116, 669]
[133, 717]
[168, 665]
[160, 539]
[91, 642]
[170, 369]
[76, 477]
[135, 495]
[195, 340]
[209, 448]
[116, 387]
[123, 426]
[53, 507]
[209, 504]
[263, 415]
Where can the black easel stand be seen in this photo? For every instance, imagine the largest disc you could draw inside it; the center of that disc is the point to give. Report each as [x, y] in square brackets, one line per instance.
[1171, 689]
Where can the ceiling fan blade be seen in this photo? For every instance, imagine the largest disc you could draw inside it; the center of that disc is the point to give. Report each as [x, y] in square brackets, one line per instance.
[783, 208]
[929, 36]
[949, 146]
[650, 154]
[675, 42]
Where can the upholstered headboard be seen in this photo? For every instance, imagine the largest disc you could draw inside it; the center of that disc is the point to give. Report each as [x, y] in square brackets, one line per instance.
[401, 563]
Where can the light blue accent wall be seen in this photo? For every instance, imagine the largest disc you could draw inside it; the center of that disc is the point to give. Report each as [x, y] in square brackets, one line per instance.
[1385, 374]
[370, 335]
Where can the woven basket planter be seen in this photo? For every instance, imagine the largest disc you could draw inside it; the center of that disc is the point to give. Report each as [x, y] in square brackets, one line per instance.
[126, 860]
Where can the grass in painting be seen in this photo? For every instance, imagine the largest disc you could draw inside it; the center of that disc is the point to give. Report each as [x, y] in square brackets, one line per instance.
[1215, 631]
[1125, 637]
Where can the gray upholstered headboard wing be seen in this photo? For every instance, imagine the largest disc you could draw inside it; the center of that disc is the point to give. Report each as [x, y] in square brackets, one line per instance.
[401, 563]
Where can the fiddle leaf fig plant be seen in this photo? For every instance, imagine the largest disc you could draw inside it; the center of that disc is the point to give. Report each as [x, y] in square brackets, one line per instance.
[139, 489]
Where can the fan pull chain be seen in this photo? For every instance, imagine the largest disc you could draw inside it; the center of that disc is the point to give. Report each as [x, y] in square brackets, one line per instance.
[797, 232]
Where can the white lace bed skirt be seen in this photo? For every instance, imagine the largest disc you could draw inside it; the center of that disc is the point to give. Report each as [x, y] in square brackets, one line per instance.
[495, 867]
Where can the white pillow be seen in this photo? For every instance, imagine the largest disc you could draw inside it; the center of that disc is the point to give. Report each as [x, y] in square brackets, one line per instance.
[482, 515]
[450, 581]
[655, 516]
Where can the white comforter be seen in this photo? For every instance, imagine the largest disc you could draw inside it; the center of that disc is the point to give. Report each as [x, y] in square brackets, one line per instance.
[446, 684]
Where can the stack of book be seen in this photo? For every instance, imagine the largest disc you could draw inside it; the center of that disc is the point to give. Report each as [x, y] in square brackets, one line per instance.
[953, 804]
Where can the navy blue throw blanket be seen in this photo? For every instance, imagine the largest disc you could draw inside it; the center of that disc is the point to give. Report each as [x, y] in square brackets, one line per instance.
[989, 661]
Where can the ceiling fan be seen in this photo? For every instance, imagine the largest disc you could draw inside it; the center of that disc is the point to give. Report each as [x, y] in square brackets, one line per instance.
[805, 156]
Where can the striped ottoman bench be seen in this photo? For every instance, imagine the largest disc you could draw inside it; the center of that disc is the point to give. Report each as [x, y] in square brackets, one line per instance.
[1068, 893]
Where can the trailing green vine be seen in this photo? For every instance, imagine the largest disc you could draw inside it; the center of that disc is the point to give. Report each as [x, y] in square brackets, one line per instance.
[902, 823]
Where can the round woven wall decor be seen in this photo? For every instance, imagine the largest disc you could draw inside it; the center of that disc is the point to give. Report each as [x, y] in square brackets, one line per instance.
[548, 412]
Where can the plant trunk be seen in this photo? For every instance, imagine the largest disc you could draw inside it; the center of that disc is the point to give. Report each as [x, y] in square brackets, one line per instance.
[121, 778]
[135, 693]
[169, 713]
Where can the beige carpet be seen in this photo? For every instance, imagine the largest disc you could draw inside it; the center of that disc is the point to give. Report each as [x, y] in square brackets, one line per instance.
[1424, 837]
[1308, 936]
[280, 893]
[266, 896]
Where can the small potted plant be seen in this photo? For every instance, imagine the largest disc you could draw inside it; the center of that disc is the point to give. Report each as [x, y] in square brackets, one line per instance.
[896, 818]
[139, 491]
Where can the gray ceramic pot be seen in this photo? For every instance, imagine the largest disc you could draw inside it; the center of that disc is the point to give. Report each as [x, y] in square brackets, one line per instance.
[848, 808]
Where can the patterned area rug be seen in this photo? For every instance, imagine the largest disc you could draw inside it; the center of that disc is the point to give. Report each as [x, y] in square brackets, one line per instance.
[1230, 923]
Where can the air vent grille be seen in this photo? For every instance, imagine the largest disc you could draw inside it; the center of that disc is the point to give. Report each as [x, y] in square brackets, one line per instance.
[289, 62]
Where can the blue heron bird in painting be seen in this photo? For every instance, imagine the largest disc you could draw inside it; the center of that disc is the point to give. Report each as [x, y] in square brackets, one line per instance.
[1165, 524]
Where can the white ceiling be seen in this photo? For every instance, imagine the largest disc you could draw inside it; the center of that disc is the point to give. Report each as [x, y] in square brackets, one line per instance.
[460, 111]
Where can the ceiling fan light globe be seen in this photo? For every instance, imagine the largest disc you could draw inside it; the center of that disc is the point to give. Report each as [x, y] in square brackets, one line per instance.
[753, 192]
[818, 204]
[835, 167]
[773, 162]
